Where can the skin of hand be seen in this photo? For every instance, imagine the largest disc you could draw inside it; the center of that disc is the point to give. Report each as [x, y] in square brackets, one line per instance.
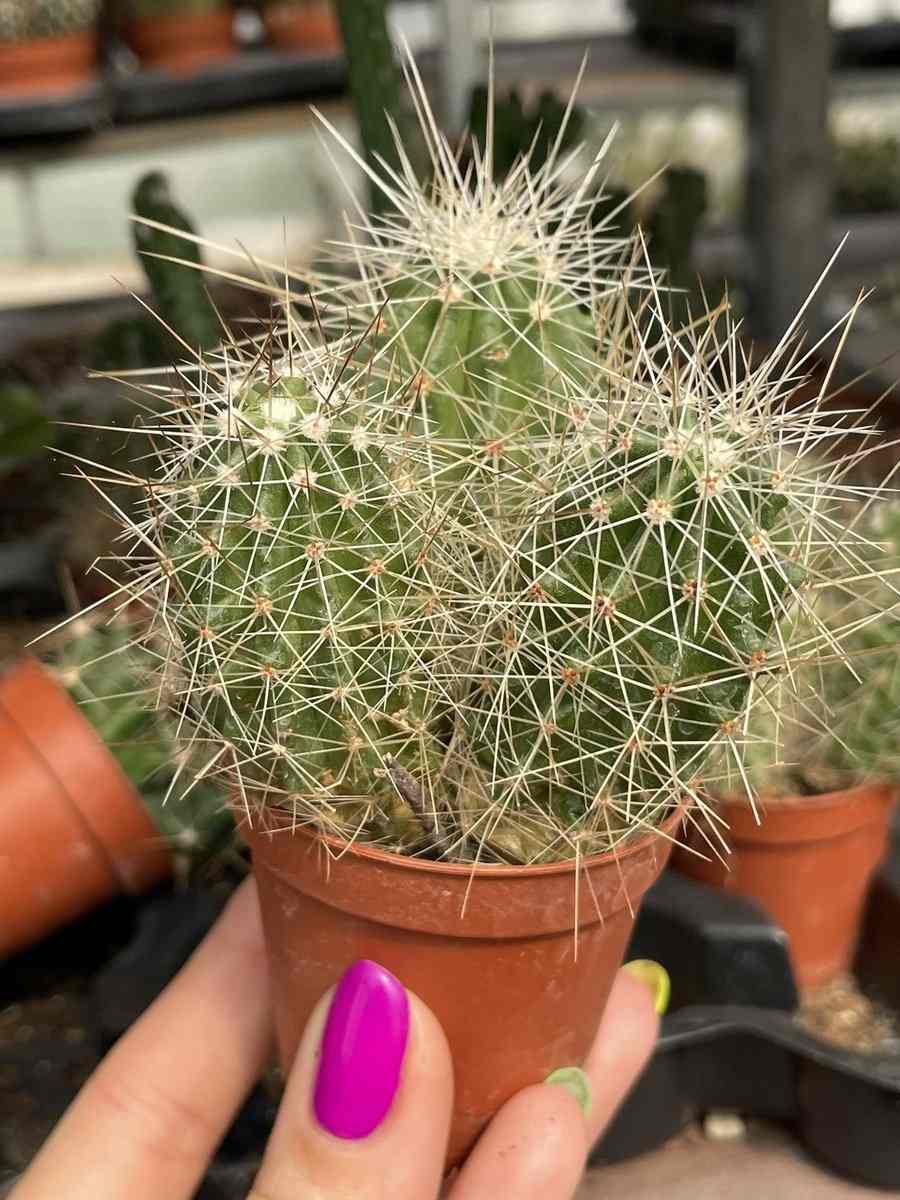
[149, 1119]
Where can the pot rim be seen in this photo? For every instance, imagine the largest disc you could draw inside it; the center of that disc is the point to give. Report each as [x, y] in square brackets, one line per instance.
[388, 858]
[800, 819]
[772, 802]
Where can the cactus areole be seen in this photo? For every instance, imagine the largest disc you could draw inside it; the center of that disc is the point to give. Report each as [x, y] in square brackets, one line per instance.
[486, 562]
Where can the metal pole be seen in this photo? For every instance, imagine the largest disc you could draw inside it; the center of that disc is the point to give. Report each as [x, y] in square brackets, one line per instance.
[460, 60]
[787, 55]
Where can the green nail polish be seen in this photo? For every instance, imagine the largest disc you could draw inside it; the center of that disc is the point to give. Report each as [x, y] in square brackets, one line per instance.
[655, 977]
[574, 1080]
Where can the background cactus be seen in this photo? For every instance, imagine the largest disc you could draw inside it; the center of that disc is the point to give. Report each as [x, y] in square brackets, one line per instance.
[838, 723]
[375, 82]
[496, 571]
[22, 20]
[179, 291]
[107, 667]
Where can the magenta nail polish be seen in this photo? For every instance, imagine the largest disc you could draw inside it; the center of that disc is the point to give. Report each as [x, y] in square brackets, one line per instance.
[362, 1051]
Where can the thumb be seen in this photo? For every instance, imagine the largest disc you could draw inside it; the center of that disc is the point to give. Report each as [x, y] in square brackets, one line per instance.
[366, 1111]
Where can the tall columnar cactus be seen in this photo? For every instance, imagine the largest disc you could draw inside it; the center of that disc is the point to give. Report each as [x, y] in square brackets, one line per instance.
[375, 80]
[497, 569]
[179, 292]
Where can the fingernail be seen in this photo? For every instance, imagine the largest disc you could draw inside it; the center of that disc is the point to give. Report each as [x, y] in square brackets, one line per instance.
[654, 976]
[362, 1051]
[574, 1080]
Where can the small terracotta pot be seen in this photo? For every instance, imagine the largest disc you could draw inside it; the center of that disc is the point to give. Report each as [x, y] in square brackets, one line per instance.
[73, 831]
[308, 26]
[49, 66]
[494, 956]
[183, 42]
[808, 864]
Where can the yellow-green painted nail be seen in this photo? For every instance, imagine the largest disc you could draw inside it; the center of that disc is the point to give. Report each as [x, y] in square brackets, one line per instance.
[574, 1080]
[655, 977]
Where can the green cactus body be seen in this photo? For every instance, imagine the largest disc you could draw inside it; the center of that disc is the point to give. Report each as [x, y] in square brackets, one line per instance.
[476, 347]
[302, 608]
[490, 562]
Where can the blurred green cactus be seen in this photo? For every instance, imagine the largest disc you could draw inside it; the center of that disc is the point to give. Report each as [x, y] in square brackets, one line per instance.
[108, 667]
[179, 289]
[837, 723]
[24, 20]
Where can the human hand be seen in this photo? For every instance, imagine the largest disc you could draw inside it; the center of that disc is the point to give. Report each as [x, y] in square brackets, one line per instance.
[148, 1121]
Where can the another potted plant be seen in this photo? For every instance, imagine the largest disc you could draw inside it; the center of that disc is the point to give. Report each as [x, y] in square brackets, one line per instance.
[807, 847]
[181, 36]
[309, 25]
[462, 589]
[47, 47]
[85, 812]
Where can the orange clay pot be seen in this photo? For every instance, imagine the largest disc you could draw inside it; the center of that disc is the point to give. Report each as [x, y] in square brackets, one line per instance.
[494, 956]
[808, 864]
[309, 26]
[73, 831]
[48, 66]
[183, 43]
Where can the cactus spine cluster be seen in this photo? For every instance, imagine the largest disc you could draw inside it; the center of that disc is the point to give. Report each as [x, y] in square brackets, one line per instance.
[488, 562]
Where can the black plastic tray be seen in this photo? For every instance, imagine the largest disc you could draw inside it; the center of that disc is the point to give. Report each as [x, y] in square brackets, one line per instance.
[717, 1051]
[81, 111]
[254, 76]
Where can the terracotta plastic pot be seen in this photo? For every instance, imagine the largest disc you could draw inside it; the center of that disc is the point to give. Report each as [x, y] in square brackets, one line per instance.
[310, 26]
[494, 956]
[48, 66]
[183, 42]
[73, 831]
[808, 864]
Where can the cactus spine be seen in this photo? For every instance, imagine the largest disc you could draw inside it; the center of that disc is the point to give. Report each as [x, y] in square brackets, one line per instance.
[491, 563]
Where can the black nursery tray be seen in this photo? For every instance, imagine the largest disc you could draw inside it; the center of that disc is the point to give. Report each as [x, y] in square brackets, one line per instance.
[73, 112]
[256, 76]
[733, 1042]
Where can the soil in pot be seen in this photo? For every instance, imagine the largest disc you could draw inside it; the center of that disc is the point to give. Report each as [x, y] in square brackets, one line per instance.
[495, 956]
[49, 66]
[306, 26]
[808, 863]
[183, 42]
[73, 831]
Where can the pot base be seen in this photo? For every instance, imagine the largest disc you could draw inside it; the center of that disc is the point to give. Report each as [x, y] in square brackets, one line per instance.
[495, 957]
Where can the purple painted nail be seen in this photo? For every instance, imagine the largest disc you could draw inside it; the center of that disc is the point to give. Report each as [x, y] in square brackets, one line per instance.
[362, 1051]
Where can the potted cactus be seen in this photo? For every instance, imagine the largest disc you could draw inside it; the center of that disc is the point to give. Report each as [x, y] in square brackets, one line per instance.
[181, 36]
[47, 46]
[807, 849]
[309, 25]
[85, 811]
[465, 589]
